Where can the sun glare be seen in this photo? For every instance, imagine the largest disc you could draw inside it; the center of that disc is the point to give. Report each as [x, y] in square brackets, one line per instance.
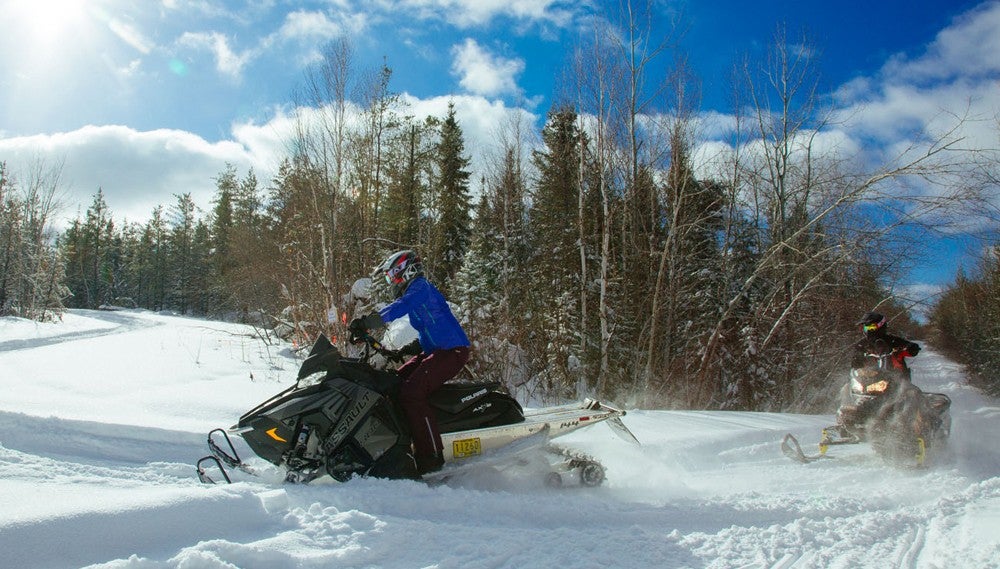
[47, 22]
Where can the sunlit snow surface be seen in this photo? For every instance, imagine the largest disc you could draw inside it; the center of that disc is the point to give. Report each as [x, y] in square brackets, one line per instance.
[103, 415]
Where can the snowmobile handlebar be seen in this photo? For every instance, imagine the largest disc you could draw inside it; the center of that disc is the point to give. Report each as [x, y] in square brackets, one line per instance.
[371, 343]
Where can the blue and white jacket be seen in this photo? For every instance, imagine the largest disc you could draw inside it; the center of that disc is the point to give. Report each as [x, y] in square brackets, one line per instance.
[429, 314]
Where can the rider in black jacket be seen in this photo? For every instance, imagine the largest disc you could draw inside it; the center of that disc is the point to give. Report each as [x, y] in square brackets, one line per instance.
[878, 341]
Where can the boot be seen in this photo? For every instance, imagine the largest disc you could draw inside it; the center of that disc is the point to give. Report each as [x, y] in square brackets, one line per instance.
[429, 463]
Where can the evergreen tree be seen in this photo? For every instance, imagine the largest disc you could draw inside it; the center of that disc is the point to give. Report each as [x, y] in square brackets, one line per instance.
[555, 264]
[88, 252]
[203, 299]
[403, 213]
[684, 289]
[9, 242]
[184, 261]
[453, 201]
[252, 281]
[222, 237]
[967, 316]
[491, 286]
[154, 262]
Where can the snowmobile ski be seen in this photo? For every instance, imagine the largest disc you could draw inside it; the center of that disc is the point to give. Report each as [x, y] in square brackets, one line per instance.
[220, 458]
[208, 463]
[792, 449]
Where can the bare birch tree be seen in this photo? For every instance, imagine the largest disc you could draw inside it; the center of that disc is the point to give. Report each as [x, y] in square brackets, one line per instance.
[818, 216]
[31, 268]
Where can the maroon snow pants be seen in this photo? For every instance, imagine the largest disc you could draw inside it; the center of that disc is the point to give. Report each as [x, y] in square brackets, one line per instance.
[423, 375]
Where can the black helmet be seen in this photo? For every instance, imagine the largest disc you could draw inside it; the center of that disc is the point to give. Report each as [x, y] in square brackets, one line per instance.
[400, 269]
[871, 323]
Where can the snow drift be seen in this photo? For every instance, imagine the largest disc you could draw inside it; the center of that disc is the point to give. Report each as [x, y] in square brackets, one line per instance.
[103, 415]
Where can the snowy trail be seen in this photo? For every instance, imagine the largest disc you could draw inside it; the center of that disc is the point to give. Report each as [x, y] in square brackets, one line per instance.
[96, 323]
[96, 469]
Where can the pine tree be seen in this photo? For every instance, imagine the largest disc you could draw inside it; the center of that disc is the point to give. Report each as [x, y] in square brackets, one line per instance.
[403, 213]
[88, 252]
[491, 286]
[9, 231]
[222, 237]
[555, 264]
[685, 284]
[184, 265]
[156, 237]
[453, 201]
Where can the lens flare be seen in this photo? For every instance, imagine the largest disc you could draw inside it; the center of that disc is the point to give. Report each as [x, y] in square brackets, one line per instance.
[177, 67]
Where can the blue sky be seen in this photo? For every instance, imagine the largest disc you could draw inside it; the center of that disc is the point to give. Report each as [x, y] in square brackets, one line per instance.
[150, 98]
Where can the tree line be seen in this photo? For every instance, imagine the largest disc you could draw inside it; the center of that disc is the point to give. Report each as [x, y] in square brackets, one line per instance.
[592, 257]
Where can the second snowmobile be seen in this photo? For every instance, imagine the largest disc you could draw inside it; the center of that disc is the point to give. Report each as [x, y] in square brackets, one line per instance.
[880, 405]
[341, 419]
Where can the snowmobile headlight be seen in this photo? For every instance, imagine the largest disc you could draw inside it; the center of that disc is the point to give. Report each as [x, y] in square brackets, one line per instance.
[878, 387]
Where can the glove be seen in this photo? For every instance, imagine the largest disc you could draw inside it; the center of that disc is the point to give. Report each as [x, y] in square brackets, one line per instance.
[411, 349]
[356, 327]
[359, 326]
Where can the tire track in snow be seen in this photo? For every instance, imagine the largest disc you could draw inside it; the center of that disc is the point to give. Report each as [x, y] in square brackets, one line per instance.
[916, 539]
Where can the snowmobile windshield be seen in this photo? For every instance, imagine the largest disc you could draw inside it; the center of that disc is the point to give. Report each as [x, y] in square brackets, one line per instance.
[323, 357]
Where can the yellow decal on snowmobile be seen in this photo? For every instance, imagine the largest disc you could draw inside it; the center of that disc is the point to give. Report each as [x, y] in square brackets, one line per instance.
[921, 451]
[271, 433]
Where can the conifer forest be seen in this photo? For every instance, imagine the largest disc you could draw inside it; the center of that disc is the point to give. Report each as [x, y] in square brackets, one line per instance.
[605, 252]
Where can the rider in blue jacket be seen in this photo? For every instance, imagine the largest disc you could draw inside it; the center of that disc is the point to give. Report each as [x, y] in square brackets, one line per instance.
[443, 343]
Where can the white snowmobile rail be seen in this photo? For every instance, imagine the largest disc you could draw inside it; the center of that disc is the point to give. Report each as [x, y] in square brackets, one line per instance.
[559, 421]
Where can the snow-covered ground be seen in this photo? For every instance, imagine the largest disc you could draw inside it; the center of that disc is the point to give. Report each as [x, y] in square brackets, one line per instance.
[103, 415]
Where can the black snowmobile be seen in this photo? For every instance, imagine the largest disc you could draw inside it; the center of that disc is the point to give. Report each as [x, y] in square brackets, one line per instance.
[880, 406]
[342, 419]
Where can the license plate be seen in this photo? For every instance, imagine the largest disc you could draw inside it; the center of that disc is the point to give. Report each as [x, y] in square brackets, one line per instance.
[464, 448]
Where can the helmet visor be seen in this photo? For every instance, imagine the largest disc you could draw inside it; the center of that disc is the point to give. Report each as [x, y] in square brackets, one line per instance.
[871, 327]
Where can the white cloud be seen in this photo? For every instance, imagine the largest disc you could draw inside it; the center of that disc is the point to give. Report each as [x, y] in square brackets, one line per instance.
[227, 61]
[308, 25]
[479, 119]
[970, 47]
[920, 298]
[266, 144]
[137, 170]
[130, 35]
[953, 84]
[470, 13]
[957, 76]
[482, 73]
[311, 30]
[306, 28]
